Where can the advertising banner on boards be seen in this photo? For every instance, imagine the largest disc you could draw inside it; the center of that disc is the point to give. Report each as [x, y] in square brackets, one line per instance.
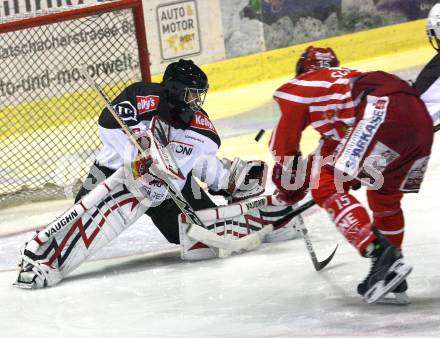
[11, 8]
[288, 22]
[178, 26]
[189, 29]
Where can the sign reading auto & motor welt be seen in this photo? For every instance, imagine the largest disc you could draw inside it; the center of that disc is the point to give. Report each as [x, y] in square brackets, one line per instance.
[178, 29]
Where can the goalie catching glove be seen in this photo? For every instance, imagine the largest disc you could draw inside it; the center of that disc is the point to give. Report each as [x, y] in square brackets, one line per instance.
[246, 179]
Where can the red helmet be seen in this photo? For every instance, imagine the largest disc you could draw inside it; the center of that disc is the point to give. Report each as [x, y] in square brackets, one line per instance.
[315, 58]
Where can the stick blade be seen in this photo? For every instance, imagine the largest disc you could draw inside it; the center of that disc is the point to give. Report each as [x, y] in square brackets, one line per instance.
[321, 265]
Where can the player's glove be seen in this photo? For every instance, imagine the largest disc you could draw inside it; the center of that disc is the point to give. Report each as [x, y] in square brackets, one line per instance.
[247, 179]
[141, 166]
[293, 183]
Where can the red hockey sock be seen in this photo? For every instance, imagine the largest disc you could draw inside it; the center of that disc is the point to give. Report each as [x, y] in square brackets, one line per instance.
[388, 216]
[351, 219]
[391, 225]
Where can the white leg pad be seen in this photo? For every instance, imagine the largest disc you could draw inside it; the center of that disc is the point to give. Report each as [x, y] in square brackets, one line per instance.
[79, 233]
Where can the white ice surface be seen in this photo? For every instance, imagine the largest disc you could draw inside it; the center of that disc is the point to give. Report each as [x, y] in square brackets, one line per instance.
[272, 292]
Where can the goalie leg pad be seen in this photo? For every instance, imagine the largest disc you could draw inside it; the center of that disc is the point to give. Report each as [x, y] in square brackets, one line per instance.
[191, 249]
[35, 275]
[222, 237]
[284, 232]
[79, 233]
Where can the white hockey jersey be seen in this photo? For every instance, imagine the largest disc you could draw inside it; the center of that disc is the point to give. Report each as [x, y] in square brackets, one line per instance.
[428, 86]
[194, 149]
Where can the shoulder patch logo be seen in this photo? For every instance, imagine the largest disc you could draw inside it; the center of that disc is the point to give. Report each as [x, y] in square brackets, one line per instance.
[201, 121]
[126, 111]
[147, 103]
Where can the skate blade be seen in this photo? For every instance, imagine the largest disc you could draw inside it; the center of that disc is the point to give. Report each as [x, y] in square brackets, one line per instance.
[21, 285]
[400, 298]
[378, 291]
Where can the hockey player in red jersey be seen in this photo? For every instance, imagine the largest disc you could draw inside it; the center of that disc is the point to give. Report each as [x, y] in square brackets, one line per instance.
[374, 129]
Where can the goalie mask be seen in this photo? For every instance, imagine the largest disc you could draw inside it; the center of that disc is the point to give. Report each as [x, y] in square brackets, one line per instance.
[316, 58]
[433, 27]
[186, 86]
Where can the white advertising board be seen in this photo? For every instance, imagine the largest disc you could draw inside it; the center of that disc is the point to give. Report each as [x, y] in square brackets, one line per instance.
[190, 29]
[11, 8]
[179, 31]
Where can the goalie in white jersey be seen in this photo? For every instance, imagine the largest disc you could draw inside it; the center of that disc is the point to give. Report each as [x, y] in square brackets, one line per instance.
[171, 112]
[192, 136]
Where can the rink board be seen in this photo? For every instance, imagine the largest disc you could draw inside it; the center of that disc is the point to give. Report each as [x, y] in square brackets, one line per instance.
[351, 48]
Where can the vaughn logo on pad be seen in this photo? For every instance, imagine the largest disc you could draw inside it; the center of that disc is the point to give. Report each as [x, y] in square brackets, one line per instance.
[61, 223]
[147, 103]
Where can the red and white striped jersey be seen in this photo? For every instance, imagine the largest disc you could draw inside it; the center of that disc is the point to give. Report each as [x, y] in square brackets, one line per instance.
[320, 98]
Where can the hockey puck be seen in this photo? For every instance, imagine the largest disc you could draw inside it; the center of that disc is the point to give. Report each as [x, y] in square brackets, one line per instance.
[259, 135]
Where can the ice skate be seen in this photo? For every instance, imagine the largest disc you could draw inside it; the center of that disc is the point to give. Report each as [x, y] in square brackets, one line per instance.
[34, 273]
[387, 275]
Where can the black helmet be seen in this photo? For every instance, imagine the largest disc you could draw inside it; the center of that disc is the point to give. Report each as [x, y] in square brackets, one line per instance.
[186, 86]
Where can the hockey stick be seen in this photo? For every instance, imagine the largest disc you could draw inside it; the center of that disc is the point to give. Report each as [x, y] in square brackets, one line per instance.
[302, 229]
[437, 128]
[294, 213]
[245, 243]
[304, 233]
[316, 263]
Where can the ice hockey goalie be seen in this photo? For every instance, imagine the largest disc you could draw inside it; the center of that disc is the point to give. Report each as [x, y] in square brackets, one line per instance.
[121, 199]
